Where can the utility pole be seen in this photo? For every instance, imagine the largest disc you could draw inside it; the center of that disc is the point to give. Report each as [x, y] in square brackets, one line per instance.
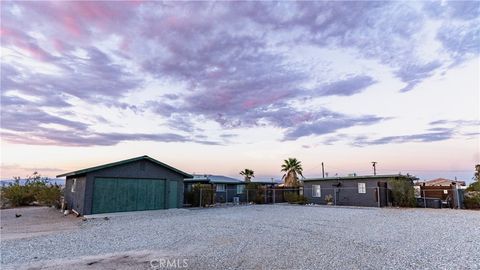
[323, 171]
[374, 164]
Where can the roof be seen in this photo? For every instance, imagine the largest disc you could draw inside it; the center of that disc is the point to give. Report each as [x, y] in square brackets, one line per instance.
[267, 182]
[360, 177]
[442, 182]
[213, 179]
[96, 168]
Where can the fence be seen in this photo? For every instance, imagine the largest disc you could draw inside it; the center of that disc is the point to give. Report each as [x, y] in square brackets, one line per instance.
[203, 196]
[427, 197]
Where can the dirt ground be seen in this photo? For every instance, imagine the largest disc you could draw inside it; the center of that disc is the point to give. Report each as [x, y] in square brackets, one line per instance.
[34, 221]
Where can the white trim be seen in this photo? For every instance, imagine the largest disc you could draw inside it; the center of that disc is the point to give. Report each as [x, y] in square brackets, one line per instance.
[362, 188]
[240, 189]
[220, 187]
[74, 185]
[316, 191]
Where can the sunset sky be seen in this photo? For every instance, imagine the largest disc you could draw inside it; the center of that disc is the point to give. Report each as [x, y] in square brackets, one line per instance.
[219, 87]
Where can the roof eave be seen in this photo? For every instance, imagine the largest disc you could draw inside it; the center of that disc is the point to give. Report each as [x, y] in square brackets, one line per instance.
[411, 177]
[108, 165]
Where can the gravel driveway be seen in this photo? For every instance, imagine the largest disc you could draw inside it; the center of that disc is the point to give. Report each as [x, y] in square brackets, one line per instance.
[261, 237]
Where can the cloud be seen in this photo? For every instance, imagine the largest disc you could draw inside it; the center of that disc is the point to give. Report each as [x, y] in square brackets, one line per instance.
[94, 78]
[44, 136]
[25, 122]
[25, 119]
[414, 74]
[346, 87]
[456, 123]
[422, 137]
[329, 125]
[235, 62]
[228, 135]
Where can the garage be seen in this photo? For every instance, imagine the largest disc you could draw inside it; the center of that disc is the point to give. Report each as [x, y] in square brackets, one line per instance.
[137, 184]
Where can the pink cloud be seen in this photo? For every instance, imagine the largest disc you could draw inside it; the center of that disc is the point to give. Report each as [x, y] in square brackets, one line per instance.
[71, 25]
[23, 42]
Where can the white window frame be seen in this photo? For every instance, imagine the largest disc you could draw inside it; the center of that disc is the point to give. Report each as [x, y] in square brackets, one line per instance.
[220, 188]
[74, 185]
[362, 188]
[316, 191]
[240, 189]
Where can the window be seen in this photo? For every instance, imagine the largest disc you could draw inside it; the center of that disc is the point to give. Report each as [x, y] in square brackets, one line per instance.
[220, 187]
[362, 188]
[316, 191]
[240, 189]
[74, 185]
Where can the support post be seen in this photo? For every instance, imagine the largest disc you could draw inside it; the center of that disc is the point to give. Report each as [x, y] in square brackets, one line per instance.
[458, 197]
[335, 196]
[424, 200]
[273, 190]
[200, 203]
[378, 196]
[386, 192]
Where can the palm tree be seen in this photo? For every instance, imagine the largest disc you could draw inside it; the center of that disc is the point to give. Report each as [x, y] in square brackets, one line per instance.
[248, 174]
[292, 167]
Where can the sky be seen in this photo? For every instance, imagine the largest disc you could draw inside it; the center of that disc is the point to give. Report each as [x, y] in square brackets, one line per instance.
[217, 87]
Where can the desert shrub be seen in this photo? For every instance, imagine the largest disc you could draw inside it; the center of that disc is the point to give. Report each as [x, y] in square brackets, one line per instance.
[471, 200]
[49, 195]
[475, 186]
[36, 189]
[259, 199]
[295, 198]
[17, 195]
[403, 193]
[207, 192]
[256, 193]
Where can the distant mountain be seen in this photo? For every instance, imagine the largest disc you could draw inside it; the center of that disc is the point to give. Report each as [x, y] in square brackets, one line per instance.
[58, 181]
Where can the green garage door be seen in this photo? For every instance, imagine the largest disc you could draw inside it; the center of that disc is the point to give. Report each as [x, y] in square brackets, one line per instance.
[123, 194]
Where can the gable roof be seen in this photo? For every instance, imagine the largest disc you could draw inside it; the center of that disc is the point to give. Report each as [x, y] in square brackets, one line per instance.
[358, 177]
[96, 168]
[442, 182]
[213, 179]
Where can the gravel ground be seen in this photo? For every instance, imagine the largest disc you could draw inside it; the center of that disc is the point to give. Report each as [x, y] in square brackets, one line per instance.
[261, 237]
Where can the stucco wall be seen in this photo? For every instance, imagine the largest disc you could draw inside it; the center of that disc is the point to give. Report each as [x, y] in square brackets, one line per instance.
[345, 192]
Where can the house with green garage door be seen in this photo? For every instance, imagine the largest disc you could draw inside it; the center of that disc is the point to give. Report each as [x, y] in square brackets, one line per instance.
[136, 184]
